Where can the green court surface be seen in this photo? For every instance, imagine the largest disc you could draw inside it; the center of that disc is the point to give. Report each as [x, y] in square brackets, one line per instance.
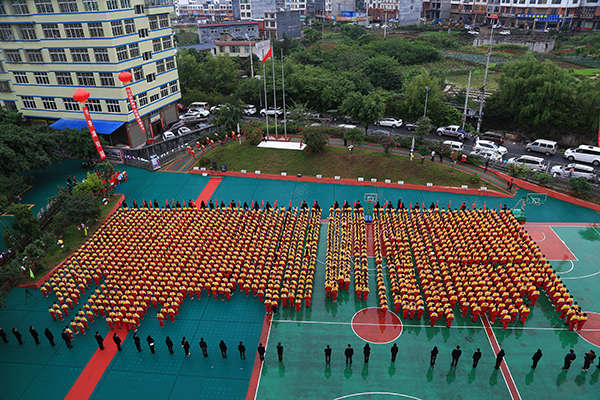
[31, 371]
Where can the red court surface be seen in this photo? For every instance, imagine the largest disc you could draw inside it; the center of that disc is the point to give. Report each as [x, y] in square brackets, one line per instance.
[591, 330]
[551, 245]
[374, 325]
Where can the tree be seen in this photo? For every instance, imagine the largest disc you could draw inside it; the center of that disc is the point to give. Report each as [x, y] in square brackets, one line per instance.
[77, 208]
[423, 126]
[311, 36]
[355, 136]
[24, 224]
[364, 109]
[10, 117]
[24, 148]
[315, 140]
[91, 185]
[352, 32]
[580, 185]
[186, 38]
[229, 116]
[79, 143]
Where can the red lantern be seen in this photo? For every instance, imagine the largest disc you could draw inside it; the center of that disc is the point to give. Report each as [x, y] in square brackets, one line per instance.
[81, 95]
[125, 76]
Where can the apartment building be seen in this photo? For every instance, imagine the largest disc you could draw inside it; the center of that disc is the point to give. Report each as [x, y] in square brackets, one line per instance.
[50, 48]
[404, 12]
[246, 10]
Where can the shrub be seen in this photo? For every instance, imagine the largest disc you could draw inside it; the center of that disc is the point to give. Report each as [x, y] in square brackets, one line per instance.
[315, 140]
[252, 132]
[388, 143]
[517, 170]
[543, 178]
[475, 179]
[580, 185]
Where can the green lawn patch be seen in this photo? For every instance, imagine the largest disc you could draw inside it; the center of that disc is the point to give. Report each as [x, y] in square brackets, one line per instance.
[587, 72]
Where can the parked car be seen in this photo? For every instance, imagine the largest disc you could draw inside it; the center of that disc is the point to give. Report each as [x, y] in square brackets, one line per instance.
[453, 130]
[379, 132]
[320, 118]
[575, 171]
[176, 125]
[493, 136]
[196, 113]
[413, 127]
[249, 110]
[168, 135]
[271, 112]
[473, 33]
[548, 147]
[532, 163]
[489, 145]
[200, 126]
[217, 108]
[487, 153]
[191, 119]
[346, 127]
[199, 104]
[454, 146]
[584, 153]
[183, 130]
[390, 121]
[180, 107]
[505, 32]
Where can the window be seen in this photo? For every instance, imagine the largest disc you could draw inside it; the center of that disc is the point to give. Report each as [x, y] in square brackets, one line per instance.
[234, 49]
[143, 33]
[138, 73]
[134, 50]
[44, 6]
[163, 20]
[129, 26]
[35, 56]
[90, 5]
[51, 31]
[57, 55]
[10, 105]
[156, 46]
[20, 77]
[160, 66]
[238, 29]
[6, 33]
[139, 9]
[164, 91]
[74, 30]
[41, 78]
[113, 106]
[64, 78]
[28, 32]
[125, 4]
[96, 29]
[107, 79]
[122, 53]
[28, 102]
[71, 105]
[170, 63]
[2, 10]
[94, 105]
[4, 86]
[67, 6]
[20, 7]
[12, 56]
[150, 77]
[214, 31]
[101, 55]
[173, 86]
[117, 28]
[225, 30]
[85, 79]
[80, 55]
[112, 4]
[153, 20]
[143, 99]
[166, 42]
[48, 103]
[153, 98]
[147, 55]
[250, 29]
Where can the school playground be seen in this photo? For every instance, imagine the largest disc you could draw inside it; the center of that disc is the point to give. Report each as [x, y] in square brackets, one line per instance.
[567, 233]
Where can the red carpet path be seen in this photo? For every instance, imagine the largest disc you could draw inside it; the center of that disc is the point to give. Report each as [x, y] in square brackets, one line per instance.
[208, 191]
[257, 369]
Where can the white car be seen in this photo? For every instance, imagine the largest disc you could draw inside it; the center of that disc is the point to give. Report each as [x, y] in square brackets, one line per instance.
[575, 170]
[168, 135]
[473, 33]
[485, 153]
[196, 113]
[249, 110]
[183, 130]
[390, 121]
[505, 32]
[217, 108]
[489, 145]
[271, 111]
[530, 162]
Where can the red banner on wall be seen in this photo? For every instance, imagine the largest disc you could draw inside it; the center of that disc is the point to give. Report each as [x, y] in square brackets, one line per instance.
[90, 124]
[136, 113]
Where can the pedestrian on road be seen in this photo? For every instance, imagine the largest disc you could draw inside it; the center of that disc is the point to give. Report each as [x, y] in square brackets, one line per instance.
[186, 346]
[441, 154]
[569, 358]
[17, 335]
[50, 337]
[34, 334]
[137, 341]
[367, 352]
[588, 359]
[242, 350]
[327, 354]
[223, 348]
[510, 186]
[345, 141]
[499, 358]
[433, 155]
[261, 352]
[434, 354]
[536, 358]
[100, 340]
[169, 343]
[487, 163]
[203, 347]
[280, 351]
[394, 352]
[117, 341]
[476, 357]
[151, 343]
[349, 352]
[3, 335]
[456, 353]
[65, 336]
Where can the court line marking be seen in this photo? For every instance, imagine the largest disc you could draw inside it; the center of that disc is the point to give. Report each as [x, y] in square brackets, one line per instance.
[572, 266]
[563, 242]
[589, 330]
[385, 393]
[352, 323]
[583, 277]
[266, 344]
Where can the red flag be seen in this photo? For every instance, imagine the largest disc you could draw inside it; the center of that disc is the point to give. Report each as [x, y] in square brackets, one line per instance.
[484, 206]
[166, 203]
[262, 204]
[239, 204]
[290, 204]
[449, 204]
[275, 204]
[385, 205]
[436, 204]
[410, 206]
[499, 205]
[354, 203]
[423, 205]
[268, 55]
[473, 206]
[173, 202]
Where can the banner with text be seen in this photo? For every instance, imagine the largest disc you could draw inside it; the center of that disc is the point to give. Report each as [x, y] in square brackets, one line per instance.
[90, 124]
[136, 113]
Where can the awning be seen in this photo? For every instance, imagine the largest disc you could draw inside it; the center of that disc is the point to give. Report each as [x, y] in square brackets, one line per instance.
[102, 127]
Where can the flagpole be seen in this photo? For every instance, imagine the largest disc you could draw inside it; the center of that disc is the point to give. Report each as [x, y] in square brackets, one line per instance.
[274, 97]
[283, 87]
[266, 105]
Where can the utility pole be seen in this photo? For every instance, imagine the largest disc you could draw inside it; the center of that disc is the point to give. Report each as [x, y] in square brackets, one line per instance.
[283, 87]
[467, 100]
[487, 66]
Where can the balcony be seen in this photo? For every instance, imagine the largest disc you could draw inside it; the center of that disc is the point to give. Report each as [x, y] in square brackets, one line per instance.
[154, 3]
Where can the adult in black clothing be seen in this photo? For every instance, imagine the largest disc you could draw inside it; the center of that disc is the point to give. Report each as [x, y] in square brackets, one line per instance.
[204, 347]
[169, 343]
[137, 341]
[569, 358]
[211, 205]
[394, 352]
[150, 341]
[186, 346]
[245, 206]
[190, 204]
[588, 359]
[327, 354]
[316, 206]
[100, 340]
[432, 206]
[336, 205]
[34, 334]
[3, 335]
[280, 351]
[367, 352]
[434, 354]
[178, 205]
[232, 204]
[65, 336]
[222, 205]
[223, 348]
[476, 357]
[536, 358]
[124, 204]
[261, 352]
[349, 352]
[455, 356]
[17, 335]
[202, 205]
[50, 337]
[268, 206]
[499, 358]
[242, 350]
[155, 204]
[117, 341]
[463, 207]
[256, 207]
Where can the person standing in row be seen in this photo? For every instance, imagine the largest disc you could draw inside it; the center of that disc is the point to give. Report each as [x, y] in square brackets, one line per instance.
[117, 341]
[3, 335]
[65, 336]
[280, 351]
[588, 359]
[169, 343]
[367, 352]
[137, 341]
[536, 358]
[151, 344]
[223, 348]
[476, 357]
[569, 358]
[100, 340]
[50, 337]
[499, 358]
[34, 334]
[17, 334]
[327, 354]
[394, 352]
[261, 352]
[349, 352]
[434, 354]
[203, 347]
[456, 353]
[186, 346]
[242, 350]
